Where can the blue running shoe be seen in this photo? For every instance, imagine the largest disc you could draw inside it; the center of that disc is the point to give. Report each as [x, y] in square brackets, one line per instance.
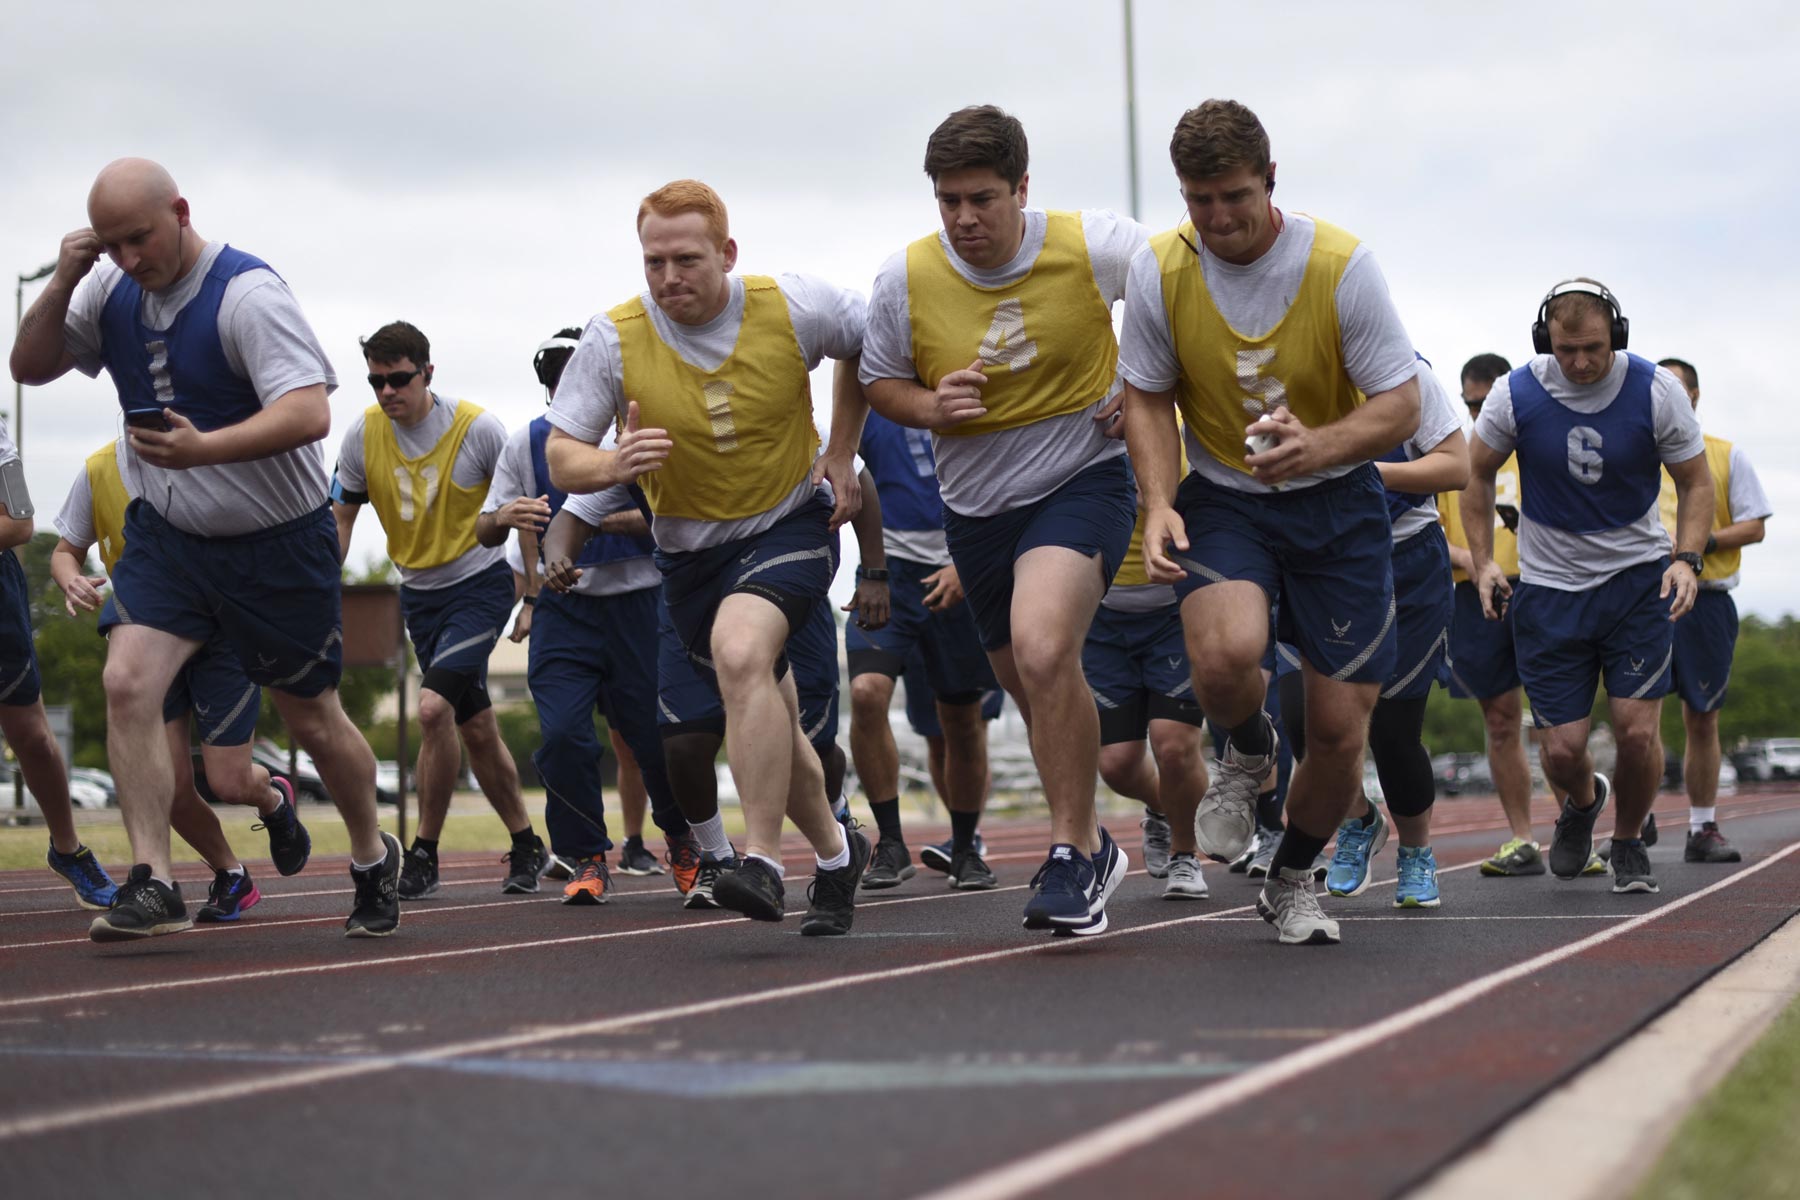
[1356, 845]
[1062, 890]
[940, 855]
[94, 888]
[1418, 886]
[1110, 866]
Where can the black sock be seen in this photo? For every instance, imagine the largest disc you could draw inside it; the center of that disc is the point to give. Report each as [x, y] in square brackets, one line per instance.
[1254, 738]
[1368, 818]
[1296, 851]
[887, 818]
[1268, 810]
[428, 845]
[525, 839]
[962, 830]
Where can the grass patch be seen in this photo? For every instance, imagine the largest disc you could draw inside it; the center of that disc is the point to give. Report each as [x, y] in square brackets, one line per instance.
[1739, 1140]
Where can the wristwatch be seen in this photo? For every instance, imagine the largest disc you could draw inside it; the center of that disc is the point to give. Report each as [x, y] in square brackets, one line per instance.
[872, 574]
[1693, 560]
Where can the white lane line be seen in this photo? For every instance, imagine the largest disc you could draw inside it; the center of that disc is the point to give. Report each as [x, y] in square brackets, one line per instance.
[1037, 1171]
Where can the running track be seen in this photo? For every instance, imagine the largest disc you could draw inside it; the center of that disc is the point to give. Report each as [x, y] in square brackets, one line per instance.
[513, 1043]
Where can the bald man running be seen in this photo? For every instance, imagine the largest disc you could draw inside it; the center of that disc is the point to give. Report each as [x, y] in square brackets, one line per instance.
[224, 389]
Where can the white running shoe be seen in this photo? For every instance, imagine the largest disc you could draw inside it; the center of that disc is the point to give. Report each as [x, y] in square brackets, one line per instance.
[1287, 902]
[1185, 882]
[1226, 820]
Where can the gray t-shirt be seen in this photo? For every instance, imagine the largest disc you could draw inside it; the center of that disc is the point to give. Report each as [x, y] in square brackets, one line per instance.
[828, 323]
[1747, 501]
[1575, 562]
[267, 341]
[516, 476]
[1378, 354]
[474, 467]
[987, 473]
[1438, 419]
[75, 520]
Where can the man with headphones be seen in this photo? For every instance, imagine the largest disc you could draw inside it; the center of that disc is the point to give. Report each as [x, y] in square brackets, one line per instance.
[1592, 426]
[425, 462]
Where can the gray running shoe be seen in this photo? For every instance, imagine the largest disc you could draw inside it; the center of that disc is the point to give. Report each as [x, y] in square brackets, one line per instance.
[1708, 845]
[891, 866]
[1287, 902]
[1157, 836]
[1185, 882]
[1631, 867]
[1262, 853]
[1226, 820]
[1573, 843]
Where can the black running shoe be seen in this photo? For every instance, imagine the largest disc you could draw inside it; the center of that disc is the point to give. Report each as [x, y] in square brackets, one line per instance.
[142, 908]
[1573, 840]
[1631, 867]
[376, 912]
[228, 897]
[1707, 845]
[969, 873]
[525, 867]
[1649, 834]
[891, 866]
[832, 896]
[635, 859]
[289, 843]
[752, 889]
[418, 873]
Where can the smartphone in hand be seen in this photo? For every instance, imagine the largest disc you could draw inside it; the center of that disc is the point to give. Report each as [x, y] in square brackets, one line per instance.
[148, 418]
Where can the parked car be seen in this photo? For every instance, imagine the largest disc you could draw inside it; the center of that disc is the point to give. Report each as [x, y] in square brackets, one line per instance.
[83, 793]
[1459, 773]
[1784, 758]
[1674, 780]
[1763, 759]
[308, 787]
[100, 779]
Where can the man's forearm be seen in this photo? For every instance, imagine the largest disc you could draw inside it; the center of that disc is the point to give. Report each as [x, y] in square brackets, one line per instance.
[528, 553]
[1154, 443]
[489, 531]
[627, 522]
[345, 516]
[15, 531]
[565, 537]
[578, 467]
[902, 401]
[1693, 516]
[1739, 533]
[849, 408]
[1376, 426]
[66, 563]
[1478, 520]
[297, 418]
[37, 352]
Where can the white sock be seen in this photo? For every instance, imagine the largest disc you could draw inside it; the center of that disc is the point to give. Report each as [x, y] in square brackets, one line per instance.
[710, 833]
[1700, 816]
[356, 866]
[237, 870]
[838, 861]
[765, 860]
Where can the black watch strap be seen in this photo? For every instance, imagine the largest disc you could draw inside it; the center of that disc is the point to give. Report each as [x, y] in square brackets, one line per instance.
[1694, 561]
[872, 574]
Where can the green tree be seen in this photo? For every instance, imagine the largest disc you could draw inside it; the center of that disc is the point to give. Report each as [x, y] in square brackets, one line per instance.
[71, 654]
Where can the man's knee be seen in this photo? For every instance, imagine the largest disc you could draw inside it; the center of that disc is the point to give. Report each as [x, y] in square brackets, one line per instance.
[870, 695]
[742, 656]
[1502, 721]
[447, 696]
[1701, 726]
[1175, 746]
[1638, 743]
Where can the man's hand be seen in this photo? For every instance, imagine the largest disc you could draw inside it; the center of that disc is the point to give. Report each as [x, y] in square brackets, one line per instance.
[958, 397]
[82, 592]
[79, 252]
[641, 450]
[1294, 454]
[1111, 416]
[871, 603]
[1494, 589]
[846, 488]
[181, 447]
[1680, 579]
[1163, 528]
[561, 575]
[521, 625]
[943, 589]
[528, 513]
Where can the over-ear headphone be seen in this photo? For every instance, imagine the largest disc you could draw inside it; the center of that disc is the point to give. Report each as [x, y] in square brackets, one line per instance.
[553, 355]
[1617, 326]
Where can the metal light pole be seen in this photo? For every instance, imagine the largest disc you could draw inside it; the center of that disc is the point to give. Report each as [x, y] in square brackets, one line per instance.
[18, 431]
[1131, 146]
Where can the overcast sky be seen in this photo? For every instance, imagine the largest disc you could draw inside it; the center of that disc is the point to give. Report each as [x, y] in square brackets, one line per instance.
[479, 174]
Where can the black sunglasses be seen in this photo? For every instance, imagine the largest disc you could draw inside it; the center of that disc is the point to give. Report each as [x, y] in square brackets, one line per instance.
[394, 379]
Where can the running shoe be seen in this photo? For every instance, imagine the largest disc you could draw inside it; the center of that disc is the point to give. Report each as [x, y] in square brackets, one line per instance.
[1226, 819]
[560, 868]
[228, 897]
[683, 858]
[1707, 845]
[1631, 866]
[418, 873]
[706, 877]
[1287, 902]
[1185, 882]
[753, 890]
[1596, 863]
[1357, 844]
[1519, 856]
[289, 843]
[831, 898]
[1157, 839]
[591, 885]
[1060, 889]
[1649, 834]
[376, 912]
[1572, 846]
[891, 866]
[1261, 852]
[634, 859]
[1110, 867]
[969, 872]
[938, 855]
[525, 867]
[141, 908]
[94, 888]
[1417, 886]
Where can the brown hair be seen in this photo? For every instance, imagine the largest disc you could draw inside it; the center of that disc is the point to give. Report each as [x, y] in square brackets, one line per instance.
[979, 136]
[689, 196]
[1572, 307]
[397, 340]
[1216, 137]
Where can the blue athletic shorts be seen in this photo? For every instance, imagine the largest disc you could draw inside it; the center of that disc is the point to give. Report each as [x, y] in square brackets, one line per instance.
[1137, 668]
[946, 644]
[1483, 661]
[1423, 599]
[455, 628]
[212, 685]
[19, 682]
[1092, 513]
[1569, 641]
[1323, 553]
[275, 595]
[921, 701]
[1705, 640]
